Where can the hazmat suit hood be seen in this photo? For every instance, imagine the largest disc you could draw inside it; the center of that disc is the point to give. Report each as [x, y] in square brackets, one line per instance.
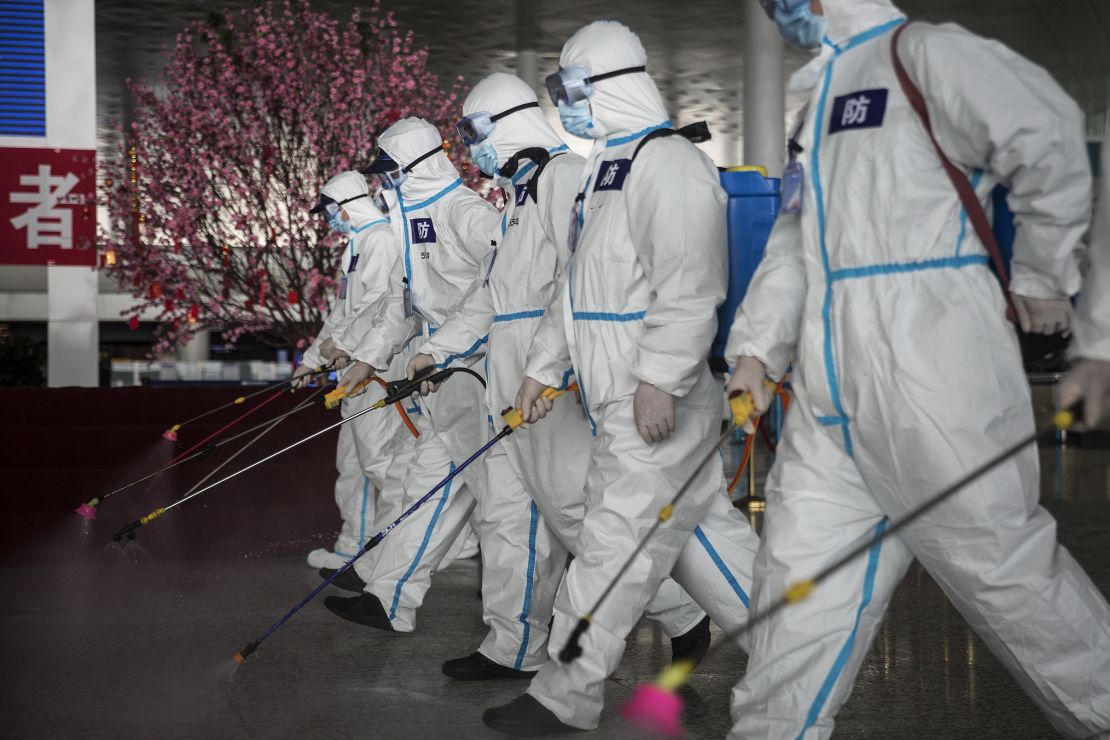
[521, 130]
[408, 139]
[351, 184]
[621, 105]
[846, 19]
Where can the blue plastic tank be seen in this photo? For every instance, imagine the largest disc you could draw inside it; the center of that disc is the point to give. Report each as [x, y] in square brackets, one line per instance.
[753, 203]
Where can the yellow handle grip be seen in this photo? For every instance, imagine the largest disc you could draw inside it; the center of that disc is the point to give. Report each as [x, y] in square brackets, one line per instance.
[332, 399]
[513, 417]
[151, 516]
[743, 406]
[240, 399]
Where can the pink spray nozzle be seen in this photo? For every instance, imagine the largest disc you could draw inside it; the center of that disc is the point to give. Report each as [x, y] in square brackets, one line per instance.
[87, 510]
[170, 434]
[656, 710]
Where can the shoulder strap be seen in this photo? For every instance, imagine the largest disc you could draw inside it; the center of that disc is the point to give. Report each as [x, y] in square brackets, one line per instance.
[534, 183]
[972, 206]
[696, 132]
[536, 154]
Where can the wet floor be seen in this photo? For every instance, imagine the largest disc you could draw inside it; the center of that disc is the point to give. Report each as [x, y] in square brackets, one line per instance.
[104, 641]
[133, 642]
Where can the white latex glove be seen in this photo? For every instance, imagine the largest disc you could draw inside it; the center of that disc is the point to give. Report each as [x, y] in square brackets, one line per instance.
[418, 363]
[1088, 381]
[357, 373]
[341, 361]
[748, 376]
[300, 376]
[529, 399]
[328, 350]
[654, 413]
[1043, 316]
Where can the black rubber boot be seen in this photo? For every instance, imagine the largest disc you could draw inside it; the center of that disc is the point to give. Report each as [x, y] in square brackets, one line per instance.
[525, 717]
[348, 581]
[692, 645]
[477, 667]
[364, 609]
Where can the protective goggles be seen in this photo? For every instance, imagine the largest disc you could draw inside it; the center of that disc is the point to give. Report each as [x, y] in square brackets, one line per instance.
[476, 128]
[785, 6]
[390, 172]
[574, 83]
[330, 206]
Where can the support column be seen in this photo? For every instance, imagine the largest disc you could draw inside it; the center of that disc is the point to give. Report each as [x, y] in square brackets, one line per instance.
[197, 348]
[527, 40]
[764, 91]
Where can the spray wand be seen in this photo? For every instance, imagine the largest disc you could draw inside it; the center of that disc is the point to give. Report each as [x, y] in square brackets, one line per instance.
[742, 407]
[171, 433]
[89, 508]
[395, 391]
[657, 708]
[512, 418]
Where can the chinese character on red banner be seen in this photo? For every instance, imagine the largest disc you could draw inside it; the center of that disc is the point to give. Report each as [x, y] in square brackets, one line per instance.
[48, 207]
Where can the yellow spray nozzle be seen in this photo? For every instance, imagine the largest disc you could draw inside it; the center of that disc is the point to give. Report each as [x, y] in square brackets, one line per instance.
[666, 513]
[743, 406]
[239, 659]
[175, 428]
[331, 400]
[240, 399]
[798, 591]
[144, 520]
[1064, 419]
[674, 676]
[512, 417]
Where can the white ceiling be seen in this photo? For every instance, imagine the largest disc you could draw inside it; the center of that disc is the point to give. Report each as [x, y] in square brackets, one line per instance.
[695, 47]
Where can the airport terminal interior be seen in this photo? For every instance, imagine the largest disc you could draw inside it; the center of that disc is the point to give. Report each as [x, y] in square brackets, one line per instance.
[175, 483]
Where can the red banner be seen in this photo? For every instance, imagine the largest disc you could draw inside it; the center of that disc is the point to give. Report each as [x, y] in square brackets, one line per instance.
[48, 207]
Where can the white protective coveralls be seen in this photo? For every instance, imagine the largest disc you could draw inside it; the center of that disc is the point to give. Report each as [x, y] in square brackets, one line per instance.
[532, 504]
[1091, 330]
[375, 449]
[443, 229]
[638, 304]
[907, 376]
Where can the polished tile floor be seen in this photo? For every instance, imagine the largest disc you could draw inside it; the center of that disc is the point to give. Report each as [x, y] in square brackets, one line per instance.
[137, 642]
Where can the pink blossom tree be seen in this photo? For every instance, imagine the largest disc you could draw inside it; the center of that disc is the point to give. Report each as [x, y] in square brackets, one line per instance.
[208, 202]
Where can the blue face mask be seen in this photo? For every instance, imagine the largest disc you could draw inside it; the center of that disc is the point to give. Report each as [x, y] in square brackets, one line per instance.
[576, 118]
[801, 27]
[336, 222]
[485, 156]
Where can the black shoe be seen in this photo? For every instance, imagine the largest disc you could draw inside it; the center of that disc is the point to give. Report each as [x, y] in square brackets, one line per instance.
[364, 609]
[477, 667]
[525, 717]
[348, 580]
[692, 645]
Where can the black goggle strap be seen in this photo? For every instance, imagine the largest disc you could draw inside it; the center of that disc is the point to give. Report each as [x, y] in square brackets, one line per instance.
[510, 111]
[353, 197]
[615, 73]
[421, 158]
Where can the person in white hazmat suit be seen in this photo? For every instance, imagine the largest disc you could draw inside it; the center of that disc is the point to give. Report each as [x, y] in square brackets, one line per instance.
[1089, 379]
[634, 315]
[444, 230]
[373, 450]
[906, 374]
[532, 502]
